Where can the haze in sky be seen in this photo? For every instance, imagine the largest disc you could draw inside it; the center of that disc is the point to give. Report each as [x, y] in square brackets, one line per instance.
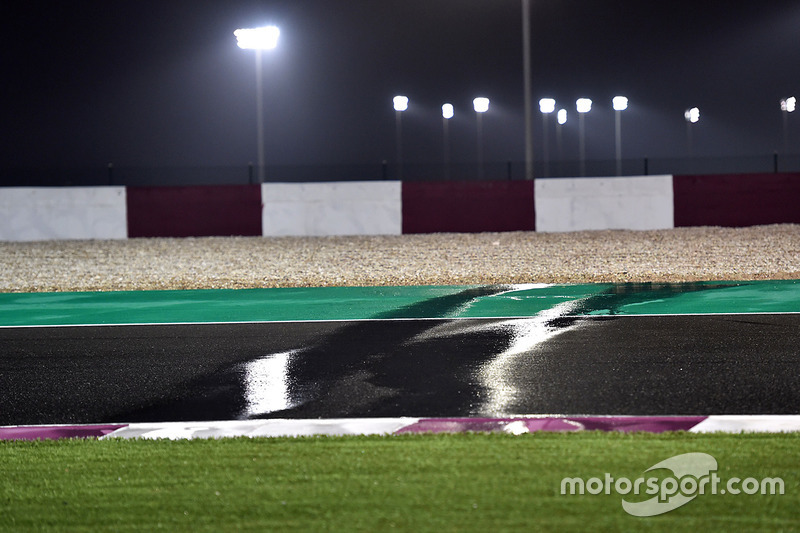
[162, 82]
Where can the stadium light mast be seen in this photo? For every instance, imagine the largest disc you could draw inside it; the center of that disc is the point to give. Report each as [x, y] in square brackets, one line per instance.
[692, 116]
[400, 104]
[527, 86]
[787, 106]
[258, 39]
[620, 104]
[583, 106]
[561, 119]
[546, 106]
[447, 114]
[481, 106]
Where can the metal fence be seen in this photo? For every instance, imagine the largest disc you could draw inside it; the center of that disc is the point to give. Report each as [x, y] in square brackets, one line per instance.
[496, 170]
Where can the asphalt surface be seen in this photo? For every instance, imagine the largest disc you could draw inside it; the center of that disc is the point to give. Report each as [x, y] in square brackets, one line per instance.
[551, 363]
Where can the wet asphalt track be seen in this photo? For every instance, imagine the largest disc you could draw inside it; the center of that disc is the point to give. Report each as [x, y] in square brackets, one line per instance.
[555, 362]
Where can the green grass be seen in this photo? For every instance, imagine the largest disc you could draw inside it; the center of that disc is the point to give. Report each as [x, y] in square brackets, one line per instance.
[463, 482]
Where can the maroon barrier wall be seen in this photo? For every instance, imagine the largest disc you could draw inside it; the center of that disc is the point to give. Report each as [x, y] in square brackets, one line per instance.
[199, 211]
[466, 206]
[736, 200]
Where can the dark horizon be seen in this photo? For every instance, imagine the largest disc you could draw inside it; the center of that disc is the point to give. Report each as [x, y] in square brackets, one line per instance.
[162, 83]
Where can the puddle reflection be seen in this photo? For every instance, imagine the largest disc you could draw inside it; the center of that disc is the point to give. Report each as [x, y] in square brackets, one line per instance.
[442, 367]
[266, 383]
[498, 375]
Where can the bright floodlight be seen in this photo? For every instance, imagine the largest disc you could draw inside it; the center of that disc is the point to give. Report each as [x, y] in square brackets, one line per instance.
[789, 104]
[447, 111]
[584, 105]
[400, 103]
[264, 38]
[562, 116]
[692, 115]
[481, 105]
[620, 103]
[547, 105]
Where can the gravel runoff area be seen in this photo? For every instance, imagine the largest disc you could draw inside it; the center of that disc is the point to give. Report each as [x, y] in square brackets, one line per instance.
[684, 254]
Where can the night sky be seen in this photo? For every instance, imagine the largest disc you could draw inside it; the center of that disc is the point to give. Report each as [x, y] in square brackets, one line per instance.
[162, 82]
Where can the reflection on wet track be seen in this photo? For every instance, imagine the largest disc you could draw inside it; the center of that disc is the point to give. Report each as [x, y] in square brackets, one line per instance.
[266, 384]
[579, 355]
[496, 375]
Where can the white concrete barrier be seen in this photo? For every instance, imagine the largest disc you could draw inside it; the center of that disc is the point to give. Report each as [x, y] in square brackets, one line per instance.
[335, 208]
[45, 213]
[628, 202]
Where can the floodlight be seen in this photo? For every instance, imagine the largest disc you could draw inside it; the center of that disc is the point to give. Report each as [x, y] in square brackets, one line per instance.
[447, 111]
[620, 103]
[481, 105]
[692, 115]
[788, 104]
[584, 105]
[547, 105]
[264, 38]
[400, 103]
[562, 116]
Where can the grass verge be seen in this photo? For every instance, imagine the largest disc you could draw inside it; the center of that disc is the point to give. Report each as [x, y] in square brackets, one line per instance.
[461, 482]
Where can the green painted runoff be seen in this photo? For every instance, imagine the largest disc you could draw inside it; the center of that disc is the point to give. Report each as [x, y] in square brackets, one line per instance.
[359, 303]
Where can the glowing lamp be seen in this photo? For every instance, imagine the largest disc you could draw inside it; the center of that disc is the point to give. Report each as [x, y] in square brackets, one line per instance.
[264, 38]
[400, 103]
[447, 111]
[547, 105]
[481, 105]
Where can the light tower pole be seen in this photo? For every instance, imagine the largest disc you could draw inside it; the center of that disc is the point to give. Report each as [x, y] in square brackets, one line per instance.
[528, 87]
[561, 119]
[546, 106]
[258, 39]
[692, 116]
[400, 104]
[787, 106]
[620, 104]
[583, 105]
[447, 114]
[481, 106]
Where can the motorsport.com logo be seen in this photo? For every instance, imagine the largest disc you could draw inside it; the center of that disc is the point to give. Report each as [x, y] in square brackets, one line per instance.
[693, 474]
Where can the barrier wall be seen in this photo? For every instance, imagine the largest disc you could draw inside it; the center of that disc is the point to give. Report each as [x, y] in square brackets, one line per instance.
[39, 213]
[466, 206]
[629, 202]
[737, 200]
[338, 208]
[392, 207]
[200, 211]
